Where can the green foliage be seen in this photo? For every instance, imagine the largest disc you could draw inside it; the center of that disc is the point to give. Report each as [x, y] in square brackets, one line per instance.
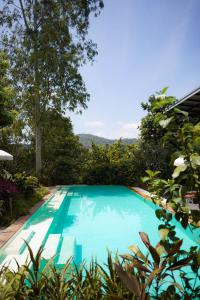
[26, 184]
[133, 276]
[155, 277]
[22, 192]
[22, 205]
[6, 93]
[63, 154]
[47, 44]
[184, 135]
[154, 153]
[114, 164]
[88, 139]
[176, 130]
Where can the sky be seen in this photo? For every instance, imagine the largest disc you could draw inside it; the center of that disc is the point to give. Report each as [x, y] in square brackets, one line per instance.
[143, 46]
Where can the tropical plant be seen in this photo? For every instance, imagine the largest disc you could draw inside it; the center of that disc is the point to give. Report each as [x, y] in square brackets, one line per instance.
[156, 277]
[26, 183]
[8, 192]
[18, 193]
[137, 276]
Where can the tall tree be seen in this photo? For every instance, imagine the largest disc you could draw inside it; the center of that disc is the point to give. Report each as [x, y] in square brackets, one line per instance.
[46, 41]
[6, 93]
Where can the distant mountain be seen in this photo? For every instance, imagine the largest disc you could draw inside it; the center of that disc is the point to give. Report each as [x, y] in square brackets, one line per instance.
[88, 139]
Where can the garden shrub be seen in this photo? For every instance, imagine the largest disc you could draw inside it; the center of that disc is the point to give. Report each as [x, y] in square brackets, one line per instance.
[134, 275]
[18, 193]
[114, 164]
[8, 193]
[26, 183]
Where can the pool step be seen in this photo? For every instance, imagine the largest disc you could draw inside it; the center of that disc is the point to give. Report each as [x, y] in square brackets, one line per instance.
[51, 245]
[67, 249]
[35, 243]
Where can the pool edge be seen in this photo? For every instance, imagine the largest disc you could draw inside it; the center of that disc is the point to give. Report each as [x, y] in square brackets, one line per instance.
[9, 232]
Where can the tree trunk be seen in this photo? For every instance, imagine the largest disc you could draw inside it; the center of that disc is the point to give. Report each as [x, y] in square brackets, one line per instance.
[38, 142]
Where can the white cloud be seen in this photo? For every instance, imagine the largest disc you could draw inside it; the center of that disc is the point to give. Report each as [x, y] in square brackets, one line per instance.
[94, 124]
[112, 131]
[129, 130]
[130, 126]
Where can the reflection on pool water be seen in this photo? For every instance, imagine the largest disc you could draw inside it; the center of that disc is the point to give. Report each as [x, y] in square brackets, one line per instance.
[86, 221]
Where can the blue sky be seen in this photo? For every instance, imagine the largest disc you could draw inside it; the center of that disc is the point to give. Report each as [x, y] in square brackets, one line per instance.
[143, 46]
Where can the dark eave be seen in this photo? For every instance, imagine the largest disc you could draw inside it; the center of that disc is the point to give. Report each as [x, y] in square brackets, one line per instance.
[190, 103]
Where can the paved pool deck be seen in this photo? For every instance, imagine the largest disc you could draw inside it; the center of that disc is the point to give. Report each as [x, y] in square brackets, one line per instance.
[7, 232]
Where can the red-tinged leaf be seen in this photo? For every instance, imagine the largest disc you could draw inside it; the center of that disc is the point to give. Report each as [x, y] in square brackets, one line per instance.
[137, 251]
[144, 237]
[178, 286]
[152, 276]
[176, 248]
[139, 266]
[154, 254]
[179, 264]
[127, 257]
[152, 250]
[131, 283]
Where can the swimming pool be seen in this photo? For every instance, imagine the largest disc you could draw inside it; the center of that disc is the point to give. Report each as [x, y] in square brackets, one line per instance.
[86, 221]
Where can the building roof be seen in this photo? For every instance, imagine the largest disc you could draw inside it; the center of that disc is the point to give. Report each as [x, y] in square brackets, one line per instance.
[189, 103]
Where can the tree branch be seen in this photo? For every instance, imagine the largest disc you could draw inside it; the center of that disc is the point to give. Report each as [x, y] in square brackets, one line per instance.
[24, 16]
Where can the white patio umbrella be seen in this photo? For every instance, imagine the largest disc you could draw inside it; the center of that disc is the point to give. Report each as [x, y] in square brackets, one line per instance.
[5, 155]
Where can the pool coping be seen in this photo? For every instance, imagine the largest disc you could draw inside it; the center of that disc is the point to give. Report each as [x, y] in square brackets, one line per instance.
[8, 232]
[147, 196]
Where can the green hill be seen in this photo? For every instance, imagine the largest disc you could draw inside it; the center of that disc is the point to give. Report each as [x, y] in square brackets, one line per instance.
[88, 139]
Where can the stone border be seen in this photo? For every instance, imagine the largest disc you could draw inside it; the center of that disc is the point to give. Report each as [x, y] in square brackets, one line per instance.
[141, 192]
[8, 232]
[147, 196]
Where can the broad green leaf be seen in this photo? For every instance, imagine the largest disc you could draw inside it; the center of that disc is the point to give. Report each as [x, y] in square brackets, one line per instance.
[178, 170]
[177, 110]
[145, 179]
[152, 173]
[196, 129]
[195, 159]
[164, 90]
[163, 233]
[177, 200]
[197, 141]
[160, 249]
[165, 123]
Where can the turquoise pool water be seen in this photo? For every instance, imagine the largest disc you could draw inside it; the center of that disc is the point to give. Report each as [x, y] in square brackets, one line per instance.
[85, 221]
